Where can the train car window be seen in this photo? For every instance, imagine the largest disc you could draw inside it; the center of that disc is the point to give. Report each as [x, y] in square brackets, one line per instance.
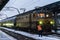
[26, 16]
[19, 18]
[34, 15]
[22, 17]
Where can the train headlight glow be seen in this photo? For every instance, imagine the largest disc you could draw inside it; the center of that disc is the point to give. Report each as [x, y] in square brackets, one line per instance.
[51, 22]
[40, 22]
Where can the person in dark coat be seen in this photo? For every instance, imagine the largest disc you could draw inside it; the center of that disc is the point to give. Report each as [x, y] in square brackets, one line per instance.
[39, 28]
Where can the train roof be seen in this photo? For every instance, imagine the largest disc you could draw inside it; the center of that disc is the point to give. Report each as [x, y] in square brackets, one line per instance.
[52, 5]
[49, 7]
[9, 18]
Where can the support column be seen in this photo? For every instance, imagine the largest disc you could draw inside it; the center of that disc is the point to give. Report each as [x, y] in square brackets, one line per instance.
[55, 18]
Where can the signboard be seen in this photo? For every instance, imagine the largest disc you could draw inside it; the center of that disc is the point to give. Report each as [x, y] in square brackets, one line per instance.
[3, 3]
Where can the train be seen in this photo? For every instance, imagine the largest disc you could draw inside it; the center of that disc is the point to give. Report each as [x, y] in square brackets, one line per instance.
[29, 21]
[47, 16]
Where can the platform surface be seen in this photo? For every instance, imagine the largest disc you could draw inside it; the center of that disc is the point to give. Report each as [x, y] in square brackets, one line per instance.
[34, 36]
[4, 36]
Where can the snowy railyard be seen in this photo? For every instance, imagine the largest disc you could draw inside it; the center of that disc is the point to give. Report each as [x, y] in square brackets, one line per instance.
[34, 36]
[29, 19]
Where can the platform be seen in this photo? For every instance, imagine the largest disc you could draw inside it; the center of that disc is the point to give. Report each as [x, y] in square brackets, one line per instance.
[34, 36]
[4, 36]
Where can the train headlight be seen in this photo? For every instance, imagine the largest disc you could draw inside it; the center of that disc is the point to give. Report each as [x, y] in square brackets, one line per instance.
[40, 22]
[51, 22]
[47, 15]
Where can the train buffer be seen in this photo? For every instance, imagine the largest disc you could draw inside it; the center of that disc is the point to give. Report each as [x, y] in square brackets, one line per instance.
[34, 36]
[4, 36]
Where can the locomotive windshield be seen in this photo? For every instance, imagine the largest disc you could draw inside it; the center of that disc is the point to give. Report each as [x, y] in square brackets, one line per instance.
[41, 15]
[44, 15]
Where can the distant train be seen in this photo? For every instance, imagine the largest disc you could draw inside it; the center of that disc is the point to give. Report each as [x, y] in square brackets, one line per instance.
[29, 21]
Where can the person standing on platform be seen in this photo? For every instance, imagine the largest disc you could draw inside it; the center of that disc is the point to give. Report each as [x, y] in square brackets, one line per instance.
[39, 28]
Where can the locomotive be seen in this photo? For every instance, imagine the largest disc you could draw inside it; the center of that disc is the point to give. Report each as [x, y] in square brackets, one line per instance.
[47, 16]
[29, 21]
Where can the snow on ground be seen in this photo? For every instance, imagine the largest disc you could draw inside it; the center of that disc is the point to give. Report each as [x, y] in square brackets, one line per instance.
[58, 31]
[55, 36]
[34, 36]
[4, 36]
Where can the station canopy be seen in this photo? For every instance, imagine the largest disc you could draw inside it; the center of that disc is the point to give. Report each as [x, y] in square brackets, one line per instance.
[55, 7]
[3, 3]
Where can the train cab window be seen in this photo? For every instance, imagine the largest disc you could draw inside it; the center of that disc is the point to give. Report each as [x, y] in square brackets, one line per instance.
[48, 15]
[41, 15]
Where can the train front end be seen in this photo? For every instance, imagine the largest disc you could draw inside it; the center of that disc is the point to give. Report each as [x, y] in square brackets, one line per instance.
[46, 21]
